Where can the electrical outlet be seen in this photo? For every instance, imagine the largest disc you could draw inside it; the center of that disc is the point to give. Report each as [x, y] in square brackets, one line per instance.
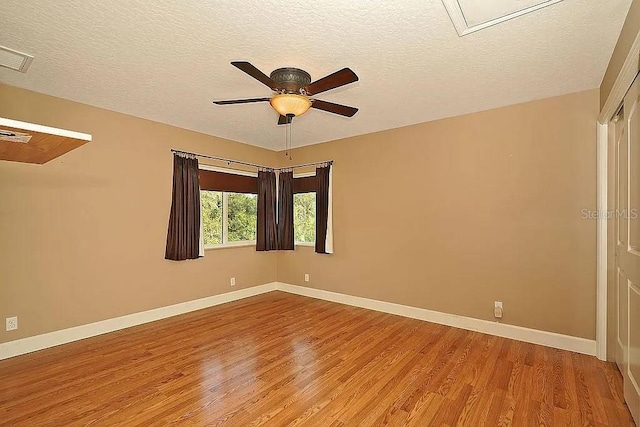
[12, 323]
[497, 309]
[233, 281]
[306, 277]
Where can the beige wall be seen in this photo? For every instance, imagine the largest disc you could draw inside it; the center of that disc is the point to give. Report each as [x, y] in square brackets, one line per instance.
[627, 36]
[449, 215]
[454, 214]
[82, 238]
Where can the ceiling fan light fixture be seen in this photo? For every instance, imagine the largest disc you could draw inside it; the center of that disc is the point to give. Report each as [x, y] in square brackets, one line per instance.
[290, 103]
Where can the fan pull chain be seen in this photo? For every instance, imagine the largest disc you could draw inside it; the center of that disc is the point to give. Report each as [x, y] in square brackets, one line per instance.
[286, 139]
[287, 136]
[290, 137]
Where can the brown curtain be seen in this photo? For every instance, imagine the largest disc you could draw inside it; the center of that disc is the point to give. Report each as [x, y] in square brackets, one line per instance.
[285, 211]
[267, 234]
[183, 236]
[322, 207]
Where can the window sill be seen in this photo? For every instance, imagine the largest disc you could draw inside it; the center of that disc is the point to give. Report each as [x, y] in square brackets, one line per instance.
[247, 244]
[230, 245]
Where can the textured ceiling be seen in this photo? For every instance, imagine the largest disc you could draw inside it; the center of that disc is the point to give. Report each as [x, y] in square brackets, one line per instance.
[167, 60]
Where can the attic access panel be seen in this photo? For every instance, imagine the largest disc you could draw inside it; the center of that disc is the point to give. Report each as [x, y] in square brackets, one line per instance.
[469, 16]
[32, 143]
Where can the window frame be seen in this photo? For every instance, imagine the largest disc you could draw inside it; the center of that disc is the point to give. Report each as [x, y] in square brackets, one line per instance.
[225, 210]
[304, 175]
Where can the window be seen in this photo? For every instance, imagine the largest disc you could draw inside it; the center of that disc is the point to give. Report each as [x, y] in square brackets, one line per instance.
[229, 206]
[211, 212]
[304, 208]
[228, 218]
[304, 217]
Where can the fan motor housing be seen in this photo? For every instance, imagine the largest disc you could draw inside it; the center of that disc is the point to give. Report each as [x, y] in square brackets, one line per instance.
[291, 80]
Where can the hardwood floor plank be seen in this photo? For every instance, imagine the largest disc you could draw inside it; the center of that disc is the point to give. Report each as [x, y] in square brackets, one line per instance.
[279, 359]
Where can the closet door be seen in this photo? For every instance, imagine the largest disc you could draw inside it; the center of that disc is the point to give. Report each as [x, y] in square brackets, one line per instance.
[627, 229]
[620, 235]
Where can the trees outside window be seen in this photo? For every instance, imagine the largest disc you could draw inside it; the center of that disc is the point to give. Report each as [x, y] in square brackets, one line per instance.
[304, 217]
[228, 218]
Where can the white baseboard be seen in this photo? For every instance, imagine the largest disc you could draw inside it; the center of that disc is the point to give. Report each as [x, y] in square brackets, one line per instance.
[534, 336]
[52, 339]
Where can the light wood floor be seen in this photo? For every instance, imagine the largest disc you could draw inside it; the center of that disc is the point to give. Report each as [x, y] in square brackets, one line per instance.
[280, 359]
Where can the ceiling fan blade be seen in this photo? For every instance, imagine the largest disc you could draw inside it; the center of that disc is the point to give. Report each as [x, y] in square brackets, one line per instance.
[255, 73]
[343, 110]
[332, 81]
[241, 101]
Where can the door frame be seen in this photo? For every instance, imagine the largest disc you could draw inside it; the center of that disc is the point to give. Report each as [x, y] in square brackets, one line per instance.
[624, 80]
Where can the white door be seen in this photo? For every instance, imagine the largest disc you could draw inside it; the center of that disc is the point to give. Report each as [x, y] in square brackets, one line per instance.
[627, 256]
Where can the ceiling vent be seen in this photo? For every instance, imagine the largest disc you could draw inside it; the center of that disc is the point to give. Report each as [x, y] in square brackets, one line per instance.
[12, 136]
[469, 16]
[14, 60]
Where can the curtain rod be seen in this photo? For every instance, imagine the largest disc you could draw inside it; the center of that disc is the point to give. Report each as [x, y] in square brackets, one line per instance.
[254, 165]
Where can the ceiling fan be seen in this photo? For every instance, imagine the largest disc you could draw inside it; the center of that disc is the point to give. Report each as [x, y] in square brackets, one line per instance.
[294, 90]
